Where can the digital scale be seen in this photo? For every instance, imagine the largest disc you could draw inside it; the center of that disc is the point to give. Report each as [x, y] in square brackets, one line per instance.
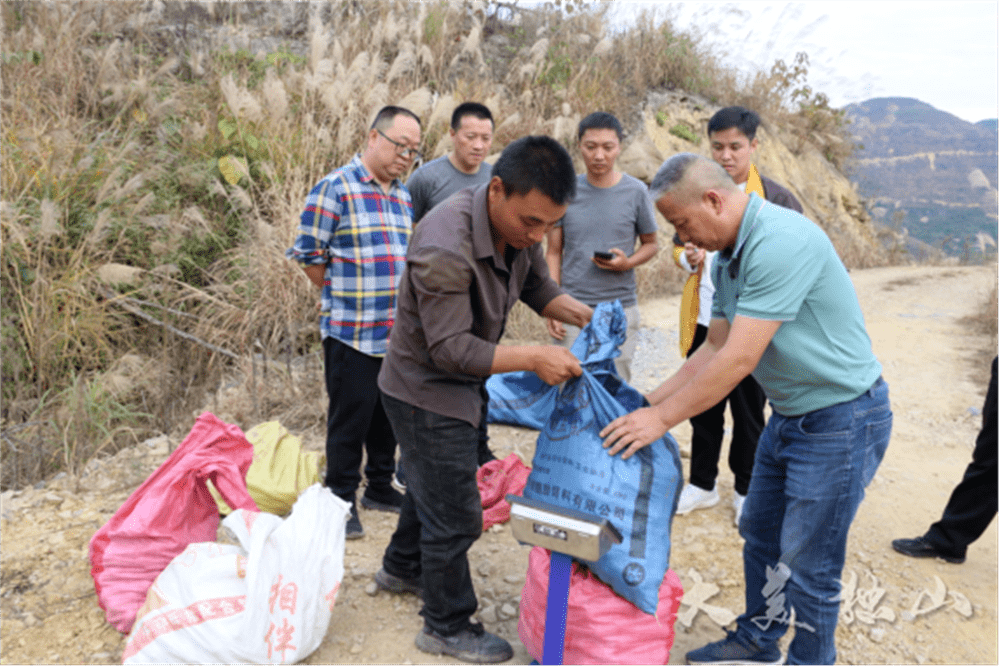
[568, 534]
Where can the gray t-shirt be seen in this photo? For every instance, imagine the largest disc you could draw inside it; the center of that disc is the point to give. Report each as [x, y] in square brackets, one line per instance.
[600, 219]
[437, 180]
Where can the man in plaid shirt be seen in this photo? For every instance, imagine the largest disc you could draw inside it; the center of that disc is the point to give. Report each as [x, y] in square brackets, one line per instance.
[352, 244]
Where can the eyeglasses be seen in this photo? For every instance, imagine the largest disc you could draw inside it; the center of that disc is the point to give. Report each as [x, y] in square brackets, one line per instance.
[401, 149]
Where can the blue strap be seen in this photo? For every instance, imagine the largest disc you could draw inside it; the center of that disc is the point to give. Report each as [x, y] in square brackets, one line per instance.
[555, 609]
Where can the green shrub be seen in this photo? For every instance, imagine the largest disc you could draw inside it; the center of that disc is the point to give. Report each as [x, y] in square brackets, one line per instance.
[683, 131]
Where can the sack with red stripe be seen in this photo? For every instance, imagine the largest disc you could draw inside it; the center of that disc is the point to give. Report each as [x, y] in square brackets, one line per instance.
[267, 600]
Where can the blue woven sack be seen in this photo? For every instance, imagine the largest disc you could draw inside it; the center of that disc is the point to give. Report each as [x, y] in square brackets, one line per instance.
[521, 398]
[638, 495]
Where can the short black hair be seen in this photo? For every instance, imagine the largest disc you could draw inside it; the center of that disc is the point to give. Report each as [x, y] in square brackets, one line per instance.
[743, 119]
[386, 115]
[537, 162]
[464, 109]
[600, 120]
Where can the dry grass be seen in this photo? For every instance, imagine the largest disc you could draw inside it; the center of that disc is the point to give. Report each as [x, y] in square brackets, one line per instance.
[984, 325]
[525, 327]
[152, 180]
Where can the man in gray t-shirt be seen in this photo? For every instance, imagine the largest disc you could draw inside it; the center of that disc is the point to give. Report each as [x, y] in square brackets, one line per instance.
[472, 135]
[610, 211]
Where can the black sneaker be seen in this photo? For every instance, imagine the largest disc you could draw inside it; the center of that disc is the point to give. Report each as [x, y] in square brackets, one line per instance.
[394, 584]
[920, 547]
[473, 644]
[386, 500]
[354, 529]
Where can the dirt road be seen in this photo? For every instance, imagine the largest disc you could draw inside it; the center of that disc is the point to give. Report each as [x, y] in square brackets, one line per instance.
[901, 610]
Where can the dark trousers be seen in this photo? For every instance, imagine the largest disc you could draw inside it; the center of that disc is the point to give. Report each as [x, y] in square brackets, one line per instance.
[442, 513]
[355, 419]
[746, 401]
[973, 503]
[485, 454]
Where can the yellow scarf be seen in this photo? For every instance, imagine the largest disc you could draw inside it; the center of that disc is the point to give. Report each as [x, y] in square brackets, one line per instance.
[689, 296]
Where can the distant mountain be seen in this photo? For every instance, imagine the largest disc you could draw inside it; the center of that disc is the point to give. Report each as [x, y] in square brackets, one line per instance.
[927, 171]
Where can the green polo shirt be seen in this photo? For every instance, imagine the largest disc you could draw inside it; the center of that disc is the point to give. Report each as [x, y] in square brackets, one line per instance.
[784, 268]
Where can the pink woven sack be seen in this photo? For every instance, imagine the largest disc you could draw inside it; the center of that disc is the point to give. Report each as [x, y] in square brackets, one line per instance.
[172, 508]
[602, 628]
[495, 480]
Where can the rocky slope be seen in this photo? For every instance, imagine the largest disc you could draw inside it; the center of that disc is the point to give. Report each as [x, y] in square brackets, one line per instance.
[928, 171]
[827, 195]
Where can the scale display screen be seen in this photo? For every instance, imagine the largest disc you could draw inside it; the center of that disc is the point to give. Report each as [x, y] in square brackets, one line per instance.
[549, 531]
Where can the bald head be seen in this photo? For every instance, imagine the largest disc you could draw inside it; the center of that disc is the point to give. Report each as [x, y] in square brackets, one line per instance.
[686, 177]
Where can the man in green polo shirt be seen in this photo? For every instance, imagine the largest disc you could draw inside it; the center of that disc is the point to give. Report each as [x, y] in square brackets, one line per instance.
[786, 311]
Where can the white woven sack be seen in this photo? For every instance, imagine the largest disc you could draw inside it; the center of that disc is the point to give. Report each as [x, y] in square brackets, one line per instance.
[266, 601]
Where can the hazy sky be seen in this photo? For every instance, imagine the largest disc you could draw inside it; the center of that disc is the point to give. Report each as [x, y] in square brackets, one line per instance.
[942, 53]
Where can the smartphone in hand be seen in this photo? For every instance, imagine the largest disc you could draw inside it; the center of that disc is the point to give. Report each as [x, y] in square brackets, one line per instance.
[603, 255]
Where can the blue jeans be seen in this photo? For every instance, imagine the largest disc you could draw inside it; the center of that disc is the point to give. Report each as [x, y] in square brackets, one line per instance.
[809, 478]
[442, 513]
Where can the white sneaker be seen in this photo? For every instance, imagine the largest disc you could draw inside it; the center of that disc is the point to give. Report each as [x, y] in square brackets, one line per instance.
[738, 501]
[695, 498]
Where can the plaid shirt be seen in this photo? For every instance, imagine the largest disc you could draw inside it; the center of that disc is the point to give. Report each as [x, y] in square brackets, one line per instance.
[360, 233]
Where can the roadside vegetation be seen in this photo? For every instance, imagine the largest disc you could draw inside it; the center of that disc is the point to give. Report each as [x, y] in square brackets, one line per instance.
[985, 324]
[153, 172]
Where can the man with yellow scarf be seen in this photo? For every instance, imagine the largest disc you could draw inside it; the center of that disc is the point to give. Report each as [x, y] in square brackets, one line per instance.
[732, 133]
